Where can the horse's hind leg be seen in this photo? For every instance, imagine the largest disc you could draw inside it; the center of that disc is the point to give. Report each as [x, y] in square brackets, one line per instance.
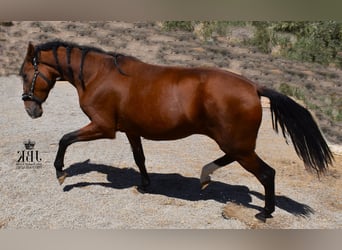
[211, 167]
[265, 174]
[139, 159]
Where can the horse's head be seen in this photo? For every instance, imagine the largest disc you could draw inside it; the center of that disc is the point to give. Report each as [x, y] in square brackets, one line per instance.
[38, 80]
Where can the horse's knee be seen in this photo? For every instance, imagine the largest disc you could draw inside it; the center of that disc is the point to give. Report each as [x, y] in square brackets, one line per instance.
[67, 139]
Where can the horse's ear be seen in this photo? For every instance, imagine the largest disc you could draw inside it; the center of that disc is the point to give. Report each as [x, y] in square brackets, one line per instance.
[30, 52]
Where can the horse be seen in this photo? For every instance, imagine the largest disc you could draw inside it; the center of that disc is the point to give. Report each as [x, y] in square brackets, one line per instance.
[122, 93]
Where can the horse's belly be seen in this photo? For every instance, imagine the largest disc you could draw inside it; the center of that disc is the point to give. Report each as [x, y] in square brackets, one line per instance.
[167, 135]
[159, 129]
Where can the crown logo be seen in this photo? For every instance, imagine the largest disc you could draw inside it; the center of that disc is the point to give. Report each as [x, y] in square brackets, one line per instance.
[29, 144]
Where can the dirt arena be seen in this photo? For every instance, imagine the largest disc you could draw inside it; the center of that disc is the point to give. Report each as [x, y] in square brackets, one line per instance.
[101, 190]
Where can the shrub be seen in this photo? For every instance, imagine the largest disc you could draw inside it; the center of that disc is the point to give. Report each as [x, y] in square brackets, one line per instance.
[178, 25]
[315, 41]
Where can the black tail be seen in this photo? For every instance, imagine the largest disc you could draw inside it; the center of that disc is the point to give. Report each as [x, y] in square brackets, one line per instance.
[297, 122]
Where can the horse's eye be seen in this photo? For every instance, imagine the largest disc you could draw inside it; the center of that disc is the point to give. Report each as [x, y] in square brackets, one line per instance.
[24, 77]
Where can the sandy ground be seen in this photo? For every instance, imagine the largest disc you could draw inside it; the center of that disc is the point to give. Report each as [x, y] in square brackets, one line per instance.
[101, 192]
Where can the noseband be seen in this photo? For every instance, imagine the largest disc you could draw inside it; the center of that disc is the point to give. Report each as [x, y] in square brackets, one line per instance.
[30, 95]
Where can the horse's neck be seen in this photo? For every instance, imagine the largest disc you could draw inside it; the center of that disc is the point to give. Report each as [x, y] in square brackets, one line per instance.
[68, 64]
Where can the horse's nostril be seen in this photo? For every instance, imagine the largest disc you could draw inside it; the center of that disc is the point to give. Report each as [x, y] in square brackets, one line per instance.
[34, 112]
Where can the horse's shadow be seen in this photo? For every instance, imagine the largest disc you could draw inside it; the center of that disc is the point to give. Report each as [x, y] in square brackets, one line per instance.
[181, 187]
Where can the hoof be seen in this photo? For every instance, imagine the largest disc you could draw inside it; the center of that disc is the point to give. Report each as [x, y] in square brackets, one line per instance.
[142, 188]
[204, 180]
[205, 184]
[61, 175]
[262, 216]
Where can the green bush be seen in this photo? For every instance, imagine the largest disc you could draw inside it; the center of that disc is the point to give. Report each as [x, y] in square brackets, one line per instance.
[318, 42]
[315, 41]
[178, 25]
[262, 37]
[211, 28]
[208, 29]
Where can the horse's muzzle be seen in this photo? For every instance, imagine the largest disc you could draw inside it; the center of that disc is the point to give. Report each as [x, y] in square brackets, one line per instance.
[34, 111]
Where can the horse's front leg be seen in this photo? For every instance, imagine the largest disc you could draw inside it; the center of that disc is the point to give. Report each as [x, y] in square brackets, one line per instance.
[90, 132]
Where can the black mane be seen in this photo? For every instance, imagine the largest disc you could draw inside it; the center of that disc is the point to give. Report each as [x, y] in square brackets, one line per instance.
[54, 45]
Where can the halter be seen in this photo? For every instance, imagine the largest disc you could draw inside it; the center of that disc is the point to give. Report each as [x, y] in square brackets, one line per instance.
[30, 95]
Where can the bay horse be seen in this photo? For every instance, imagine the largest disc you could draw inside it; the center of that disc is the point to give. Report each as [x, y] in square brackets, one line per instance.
[121, 93]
